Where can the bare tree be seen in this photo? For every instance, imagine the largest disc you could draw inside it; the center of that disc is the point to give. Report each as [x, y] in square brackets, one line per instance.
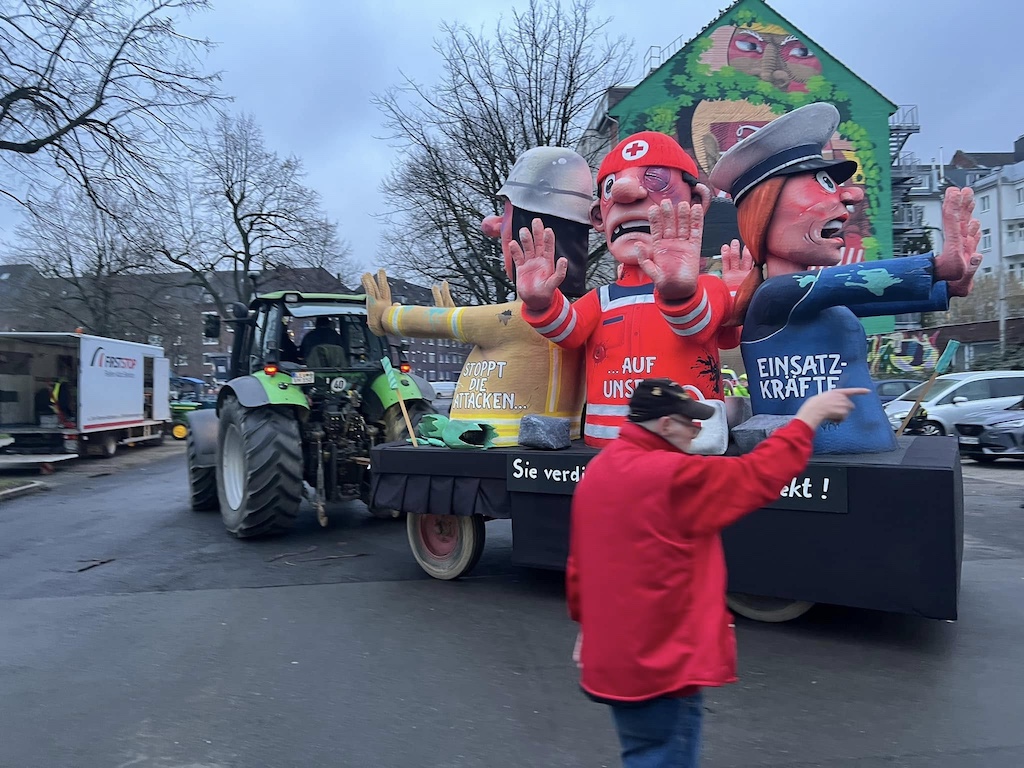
[96, 87]
[93, 271]
[535, 81]
[239, 208]
[263, 216]
[326, 249]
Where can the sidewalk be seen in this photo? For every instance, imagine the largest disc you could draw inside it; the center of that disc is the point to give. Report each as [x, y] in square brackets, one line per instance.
[21, 481]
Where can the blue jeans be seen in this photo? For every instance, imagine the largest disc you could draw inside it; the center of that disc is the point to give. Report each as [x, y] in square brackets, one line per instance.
[661, 733]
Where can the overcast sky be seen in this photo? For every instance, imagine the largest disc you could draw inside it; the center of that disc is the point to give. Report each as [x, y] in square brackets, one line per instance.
[307, 69]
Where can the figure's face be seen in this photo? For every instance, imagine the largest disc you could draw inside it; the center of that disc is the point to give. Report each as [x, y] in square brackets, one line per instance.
[623, 199]
[782, 60]
[500, 228]
[807, 228]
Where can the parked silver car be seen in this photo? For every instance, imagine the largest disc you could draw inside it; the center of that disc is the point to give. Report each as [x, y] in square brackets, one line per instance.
[958, 397]
[993, 434]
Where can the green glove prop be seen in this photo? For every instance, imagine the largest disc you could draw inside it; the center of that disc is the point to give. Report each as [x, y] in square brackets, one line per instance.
[440, 431]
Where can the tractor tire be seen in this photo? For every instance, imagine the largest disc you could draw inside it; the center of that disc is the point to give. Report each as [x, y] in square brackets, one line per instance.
[202, 481]
[259, 469]
[395, 430]
[446, 546]
[773, 610]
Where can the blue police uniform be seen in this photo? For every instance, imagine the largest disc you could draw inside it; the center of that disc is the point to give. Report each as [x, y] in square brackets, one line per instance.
[801, 336]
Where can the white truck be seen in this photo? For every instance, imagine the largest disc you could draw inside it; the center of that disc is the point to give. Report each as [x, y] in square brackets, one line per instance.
[110, 392]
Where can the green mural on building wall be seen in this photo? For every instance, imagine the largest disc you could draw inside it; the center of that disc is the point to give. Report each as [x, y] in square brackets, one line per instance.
[744, 70]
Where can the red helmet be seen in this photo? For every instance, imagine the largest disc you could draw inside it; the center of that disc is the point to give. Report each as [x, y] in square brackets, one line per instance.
[645, 149]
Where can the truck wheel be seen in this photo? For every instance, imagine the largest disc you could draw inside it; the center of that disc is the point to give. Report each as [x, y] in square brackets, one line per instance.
[446, 546]
[768, 609]
[259, 469]
[108, 446]
[395, 431]
[202, 481]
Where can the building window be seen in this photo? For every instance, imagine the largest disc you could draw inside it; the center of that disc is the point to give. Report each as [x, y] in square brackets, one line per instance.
[210, 342]
[430, 357]
[986, 270]
[986, 239]
[1020, 195]
[985, 203]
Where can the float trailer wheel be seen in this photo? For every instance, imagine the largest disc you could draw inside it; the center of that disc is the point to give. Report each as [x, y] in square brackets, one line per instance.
[446, 546]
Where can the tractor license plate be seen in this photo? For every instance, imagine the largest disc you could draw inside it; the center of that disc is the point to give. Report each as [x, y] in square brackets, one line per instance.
[968, 440]
[303, 377]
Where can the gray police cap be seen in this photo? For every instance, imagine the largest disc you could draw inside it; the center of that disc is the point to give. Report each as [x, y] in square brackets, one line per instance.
[790, 144]
[552, 180]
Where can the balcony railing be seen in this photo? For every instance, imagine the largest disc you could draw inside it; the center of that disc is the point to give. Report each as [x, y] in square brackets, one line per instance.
[907, 216]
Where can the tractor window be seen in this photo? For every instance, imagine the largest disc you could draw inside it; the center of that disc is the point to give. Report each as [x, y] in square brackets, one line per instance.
[266, 337]
[255, 361]
[364, 347]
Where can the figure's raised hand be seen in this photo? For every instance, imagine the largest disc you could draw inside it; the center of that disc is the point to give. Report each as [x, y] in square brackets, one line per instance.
[442, 295]
[378, 300]
[673, 261]
[965, 284]
[957, 252]
[538, 275]
[736, 264]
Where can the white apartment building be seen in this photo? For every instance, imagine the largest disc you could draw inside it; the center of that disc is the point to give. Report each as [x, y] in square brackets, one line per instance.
[999, 206]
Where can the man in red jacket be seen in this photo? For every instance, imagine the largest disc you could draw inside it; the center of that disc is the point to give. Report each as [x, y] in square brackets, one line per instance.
[646, 576]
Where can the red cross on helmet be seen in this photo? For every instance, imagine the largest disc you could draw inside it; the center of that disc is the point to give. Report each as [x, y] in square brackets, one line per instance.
[646, 149]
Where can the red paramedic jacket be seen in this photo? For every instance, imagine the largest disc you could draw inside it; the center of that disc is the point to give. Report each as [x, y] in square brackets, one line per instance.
[646, 575]
[680, 341]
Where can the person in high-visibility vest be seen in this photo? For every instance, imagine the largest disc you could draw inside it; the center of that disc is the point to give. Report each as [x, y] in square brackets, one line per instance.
[62, 400]
[740, 389]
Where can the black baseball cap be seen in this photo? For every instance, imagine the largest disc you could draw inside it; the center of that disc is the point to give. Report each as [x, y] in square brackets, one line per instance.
[654, 398]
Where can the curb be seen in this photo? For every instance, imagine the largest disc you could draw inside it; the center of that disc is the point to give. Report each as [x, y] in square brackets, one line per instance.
[13, 493]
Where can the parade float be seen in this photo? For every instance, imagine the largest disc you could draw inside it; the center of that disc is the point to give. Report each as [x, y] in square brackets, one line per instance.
[874, 522]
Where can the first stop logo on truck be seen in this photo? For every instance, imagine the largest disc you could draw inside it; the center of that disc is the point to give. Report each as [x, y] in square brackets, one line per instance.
[113, 366]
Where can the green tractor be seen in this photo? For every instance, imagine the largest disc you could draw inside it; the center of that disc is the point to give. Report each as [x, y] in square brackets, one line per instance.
[296, 415]
[187, 395]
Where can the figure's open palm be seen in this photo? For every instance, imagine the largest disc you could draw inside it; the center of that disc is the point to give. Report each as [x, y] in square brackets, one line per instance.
[972, 238]
[673, 261]
[736, 265]
[538, 275]
[957, 252]
[378, 300]
[442, 295]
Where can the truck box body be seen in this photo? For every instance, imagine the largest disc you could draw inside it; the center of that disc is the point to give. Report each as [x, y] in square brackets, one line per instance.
[118, 392]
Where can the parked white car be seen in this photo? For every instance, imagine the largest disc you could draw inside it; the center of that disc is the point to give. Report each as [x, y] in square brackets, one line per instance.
[954, 397]
[444, 391]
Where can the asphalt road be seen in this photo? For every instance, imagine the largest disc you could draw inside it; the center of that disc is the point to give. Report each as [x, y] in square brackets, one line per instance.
[188, 649]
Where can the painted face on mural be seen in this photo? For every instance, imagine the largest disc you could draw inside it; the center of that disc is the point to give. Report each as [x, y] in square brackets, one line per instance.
[623, 201]
[778, 58]
[808, 227]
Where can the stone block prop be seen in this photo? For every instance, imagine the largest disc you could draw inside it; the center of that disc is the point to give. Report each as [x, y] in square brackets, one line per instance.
[737, 410]
[545, 432]
[713, 439]
[747, 435]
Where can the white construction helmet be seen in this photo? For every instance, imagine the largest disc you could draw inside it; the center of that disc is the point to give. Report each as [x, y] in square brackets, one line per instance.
[552, 180]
